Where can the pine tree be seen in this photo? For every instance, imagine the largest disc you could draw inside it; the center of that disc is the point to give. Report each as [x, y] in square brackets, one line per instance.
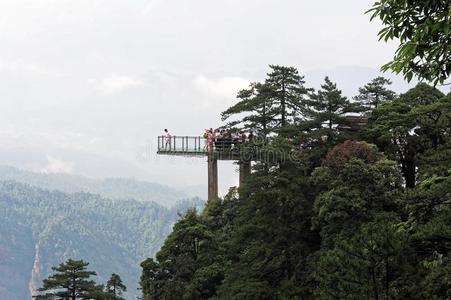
[325, 123]
[330, 221]
[271, 107]
[373, 263]
[70, 281]
[256, 105]
[375, 93]
[326, 110]
[287, 92]
[183, 269]
[410, 126]
[150, 279]
[99, 293]
[115, 287]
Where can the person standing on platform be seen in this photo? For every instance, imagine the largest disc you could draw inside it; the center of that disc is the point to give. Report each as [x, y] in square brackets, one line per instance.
[167, 140]
[210, 139]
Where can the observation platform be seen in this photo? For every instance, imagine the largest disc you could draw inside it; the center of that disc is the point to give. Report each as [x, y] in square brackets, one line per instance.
[220, 149]
[194, 146]
[182, 145]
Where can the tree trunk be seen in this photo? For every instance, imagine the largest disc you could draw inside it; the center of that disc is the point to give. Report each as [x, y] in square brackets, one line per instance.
[283, 104]
[409, 172]
[373, 279]
[74, 296]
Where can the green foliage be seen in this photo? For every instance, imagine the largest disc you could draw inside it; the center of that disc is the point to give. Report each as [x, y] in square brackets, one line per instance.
[325, 111]
[149, 277]
[375, 93]
[436, 284]
[269, 238]
[271, 106]
[115, 287]
[99, 293]
[411, 125]
[256, 104]
[183, 269]
[430, 217]
[43, 228]
[373, 263]
[423, 29]
[71, 280]
[287, 92]
[328, 216]
[353, 195]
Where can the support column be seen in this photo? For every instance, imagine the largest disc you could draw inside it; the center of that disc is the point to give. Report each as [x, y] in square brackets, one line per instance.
[245, 170]
[212, 177]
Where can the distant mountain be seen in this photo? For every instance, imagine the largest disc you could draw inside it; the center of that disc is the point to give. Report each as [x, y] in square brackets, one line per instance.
[115, 188]
[41, 228]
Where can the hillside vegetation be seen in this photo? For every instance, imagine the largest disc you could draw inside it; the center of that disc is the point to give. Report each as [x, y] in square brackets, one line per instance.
[347, 200]
[41, 228]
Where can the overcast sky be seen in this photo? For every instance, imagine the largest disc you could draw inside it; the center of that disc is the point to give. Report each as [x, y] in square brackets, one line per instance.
[87, 85]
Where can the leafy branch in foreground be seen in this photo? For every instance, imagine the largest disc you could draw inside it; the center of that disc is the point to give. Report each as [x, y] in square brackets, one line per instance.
[424, 32]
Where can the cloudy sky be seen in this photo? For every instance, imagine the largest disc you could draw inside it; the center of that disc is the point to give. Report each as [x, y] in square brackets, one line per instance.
[87, 85]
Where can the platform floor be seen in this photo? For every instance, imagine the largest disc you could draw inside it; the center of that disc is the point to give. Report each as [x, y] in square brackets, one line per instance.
[218, 154]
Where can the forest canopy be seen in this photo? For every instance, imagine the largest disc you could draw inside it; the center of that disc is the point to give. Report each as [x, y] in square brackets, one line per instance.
[360, 205]
[359, 208]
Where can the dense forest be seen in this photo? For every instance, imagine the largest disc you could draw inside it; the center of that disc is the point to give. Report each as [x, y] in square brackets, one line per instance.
[348, 199]
[355, 206]
[41, 228]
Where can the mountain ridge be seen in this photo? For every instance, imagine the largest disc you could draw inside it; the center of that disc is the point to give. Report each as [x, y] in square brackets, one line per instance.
[111, 187]
[41, 228]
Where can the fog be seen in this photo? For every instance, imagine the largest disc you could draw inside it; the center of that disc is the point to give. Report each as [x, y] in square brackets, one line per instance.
[87, 85]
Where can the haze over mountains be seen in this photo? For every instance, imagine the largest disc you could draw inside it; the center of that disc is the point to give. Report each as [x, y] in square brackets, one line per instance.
[122, 146]
[47, 218]
[114, 188]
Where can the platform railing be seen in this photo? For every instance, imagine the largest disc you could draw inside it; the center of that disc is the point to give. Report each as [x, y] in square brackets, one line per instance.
[182, 144]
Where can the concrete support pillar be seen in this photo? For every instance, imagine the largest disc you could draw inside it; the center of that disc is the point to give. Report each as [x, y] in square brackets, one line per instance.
[212, 177]
[245, 170]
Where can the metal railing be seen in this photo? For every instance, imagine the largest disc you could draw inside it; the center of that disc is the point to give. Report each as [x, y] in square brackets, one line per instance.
[182, 144]
[223, 148]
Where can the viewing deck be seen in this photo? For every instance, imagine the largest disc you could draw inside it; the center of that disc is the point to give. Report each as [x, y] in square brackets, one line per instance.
[196, 146]
[182, 145]
[221, 149]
